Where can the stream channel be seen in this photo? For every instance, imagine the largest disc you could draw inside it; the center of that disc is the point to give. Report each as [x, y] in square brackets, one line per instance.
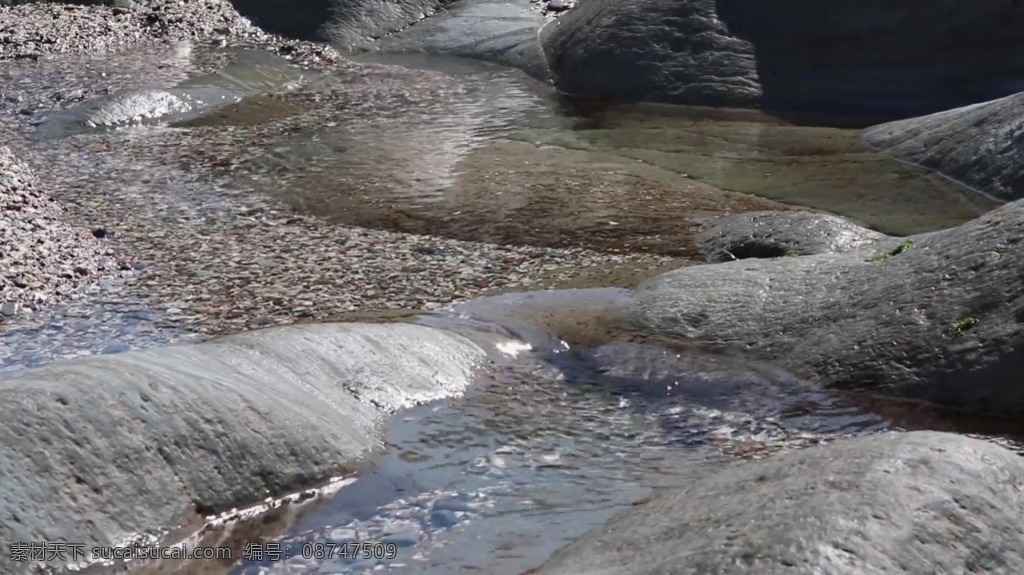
[559, 439]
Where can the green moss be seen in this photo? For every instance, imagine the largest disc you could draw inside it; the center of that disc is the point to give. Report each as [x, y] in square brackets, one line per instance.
[902, 248]
[960, 327]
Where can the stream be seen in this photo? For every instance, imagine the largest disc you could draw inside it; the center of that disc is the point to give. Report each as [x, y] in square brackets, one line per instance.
[560, 438]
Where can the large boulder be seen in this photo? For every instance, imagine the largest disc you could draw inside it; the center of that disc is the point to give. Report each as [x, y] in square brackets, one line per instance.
[881, 57]
[912, 503]
[106, 450]
[936, 317]
[676, 51]
[978, 145]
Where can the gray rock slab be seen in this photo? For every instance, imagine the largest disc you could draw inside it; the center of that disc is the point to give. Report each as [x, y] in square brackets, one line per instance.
[936, 317]
[980, 146]
[103, 449]
[780, 234]
[911, 503]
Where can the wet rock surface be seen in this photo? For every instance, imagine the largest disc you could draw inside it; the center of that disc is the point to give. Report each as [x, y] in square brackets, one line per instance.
[866, 57]
[897, 503]
[105, 451]
[977, 145]
[780, 234]
[670, 51]
[935, 317]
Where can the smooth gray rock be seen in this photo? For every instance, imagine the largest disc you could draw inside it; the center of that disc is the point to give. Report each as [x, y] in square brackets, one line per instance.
[780, 234]
[498, 31]
[913, 503]
[936, 317]
[979, 146]
[676, 51]
[251, 72]
[97, 450]
[856, 57]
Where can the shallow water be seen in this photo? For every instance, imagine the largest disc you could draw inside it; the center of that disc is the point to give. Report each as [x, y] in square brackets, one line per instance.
[551, 448]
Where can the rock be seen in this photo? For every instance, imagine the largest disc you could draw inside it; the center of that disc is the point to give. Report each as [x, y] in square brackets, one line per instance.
[910, 503]
[557, 5]
[675, 51]
[937, 317]
[495, 31]
[492, 30]
[978, 145]
[779, 234]
[349, 24]
[9, 308]
[98, 448]
[853, 57]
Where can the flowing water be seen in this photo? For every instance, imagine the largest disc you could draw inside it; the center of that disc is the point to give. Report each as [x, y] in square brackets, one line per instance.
[550, 448]
[562, 436]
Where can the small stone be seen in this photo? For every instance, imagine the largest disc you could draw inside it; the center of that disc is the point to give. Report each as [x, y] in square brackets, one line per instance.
[557, 5]
[443, 518]
[9, 308]
[99, 233]
[115, 347]
[401, 539]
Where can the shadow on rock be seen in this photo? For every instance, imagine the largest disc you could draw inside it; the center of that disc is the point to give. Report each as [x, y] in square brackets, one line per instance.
[852, 57]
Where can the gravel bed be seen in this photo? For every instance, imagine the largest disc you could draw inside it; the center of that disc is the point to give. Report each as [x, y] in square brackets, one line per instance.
[45, 30]
[42, 257]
